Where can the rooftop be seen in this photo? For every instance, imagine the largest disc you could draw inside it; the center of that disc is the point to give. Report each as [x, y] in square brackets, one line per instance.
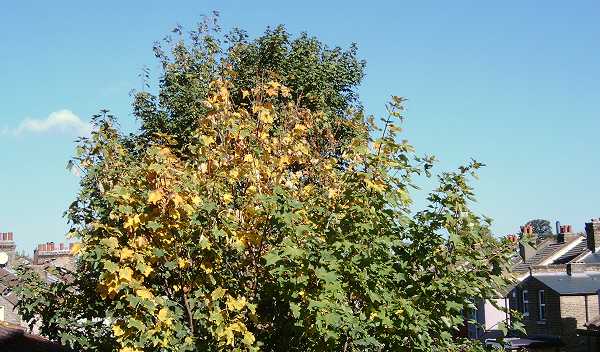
[574, 284]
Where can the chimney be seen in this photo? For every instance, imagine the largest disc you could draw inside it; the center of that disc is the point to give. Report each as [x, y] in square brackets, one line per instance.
[592, 229]
[573, 268]
[525, 250]
[560, 234]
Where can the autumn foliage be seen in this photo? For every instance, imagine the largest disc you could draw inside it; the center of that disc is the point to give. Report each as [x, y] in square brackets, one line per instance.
[263, 230]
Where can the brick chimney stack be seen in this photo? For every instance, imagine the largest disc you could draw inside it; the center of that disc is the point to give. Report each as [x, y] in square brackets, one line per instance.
[525, 250]
[592, 230]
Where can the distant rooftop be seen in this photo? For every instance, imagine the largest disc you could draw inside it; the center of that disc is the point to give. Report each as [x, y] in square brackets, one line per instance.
[576, 283]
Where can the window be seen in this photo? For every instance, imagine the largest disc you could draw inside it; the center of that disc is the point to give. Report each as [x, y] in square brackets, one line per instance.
[1, 313]
[542, 304]
[525, 301]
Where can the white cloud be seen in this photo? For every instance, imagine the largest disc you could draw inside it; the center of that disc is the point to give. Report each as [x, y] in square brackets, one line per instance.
[62, 121]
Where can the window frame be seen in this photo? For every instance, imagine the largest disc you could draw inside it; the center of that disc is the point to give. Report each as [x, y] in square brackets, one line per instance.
[525, 303]
[542, 305]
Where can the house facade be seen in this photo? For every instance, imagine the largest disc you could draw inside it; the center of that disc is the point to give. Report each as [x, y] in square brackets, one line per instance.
[557, 286]
[559, 303]
[45, 256]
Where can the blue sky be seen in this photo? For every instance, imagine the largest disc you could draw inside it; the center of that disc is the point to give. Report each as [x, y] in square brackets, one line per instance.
[514, 84]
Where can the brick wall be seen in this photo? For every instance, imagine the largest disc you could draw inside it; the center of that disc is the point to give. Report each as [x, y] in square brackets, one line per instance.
[10, 314]
[534, 325]
[564, 314]
[574, 316]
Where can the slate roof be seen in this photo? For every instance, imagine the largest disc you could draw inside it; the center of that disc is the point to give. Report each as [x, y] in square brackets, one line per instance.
[8, 281]
[572, 253]
[575, 284]
[546, 249]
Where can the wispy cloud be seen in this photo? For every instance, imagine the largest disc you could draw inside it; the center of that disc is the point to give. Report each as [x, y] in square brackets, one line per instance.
[62, 121]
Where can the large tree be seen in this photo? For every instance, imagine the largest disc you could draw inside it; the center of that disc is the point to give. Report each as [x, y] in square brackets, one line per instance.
[541, 227]
[259, 209]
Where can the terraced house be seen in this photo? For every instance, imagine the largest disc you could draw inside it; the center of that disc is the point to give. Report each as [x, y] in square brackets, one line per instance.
[557, 286]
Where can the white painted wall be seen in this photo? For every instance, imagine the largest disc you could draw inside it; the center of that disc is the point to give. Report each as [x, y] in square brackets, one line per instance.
[493, 315]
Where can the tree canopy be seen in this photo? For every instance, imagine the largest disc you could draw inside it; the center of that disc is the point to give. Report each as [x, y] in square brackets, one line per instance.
[258, 208]
[541, 227]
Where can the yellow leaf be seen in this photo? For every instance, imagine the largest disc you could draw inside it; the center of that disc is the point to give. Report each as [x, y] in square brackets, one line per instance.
[144, 293]
[183, 263]
[117, 331]
[249, 338]
[299, 128]
[266, 116]
[218, 293]
[163, 316]
[235, 304]
[129, 349]
[227, 198]
[110, 242]
[207, 140]
[126, 253]
[196, 200]
[147, 271]
[177, 200]
[155, 196]
[126, 273]
[132, 222]
[76, 248]
[248, 158]
[331, 193]
[239, 327]
[245, 93]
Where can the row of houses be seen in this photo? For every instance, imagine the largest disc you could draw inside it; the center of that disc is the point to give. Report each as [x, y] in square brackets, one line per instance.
[44, 256]
[555, 293]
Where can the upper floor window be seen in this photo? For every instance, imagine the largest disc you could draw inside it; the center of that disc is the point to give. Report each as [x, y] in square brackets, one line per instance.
[525, 300]
[542, 304]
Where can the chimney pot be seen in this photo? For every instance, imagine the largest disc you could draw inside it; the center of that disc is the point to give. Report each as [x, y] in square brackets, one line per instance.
[61, 246]
[10, 236]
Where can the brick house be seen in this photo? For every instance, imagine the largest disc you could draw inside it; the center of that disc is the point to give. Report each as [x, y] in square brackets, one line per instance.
[551, 252]
[558, 303]
[46, 255]
[558, 295]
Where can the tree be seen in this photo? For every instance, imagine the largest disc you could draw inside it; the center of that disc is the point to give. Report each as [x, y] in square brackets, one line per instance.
[319, 78]
[541, 227]
[250, 215]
